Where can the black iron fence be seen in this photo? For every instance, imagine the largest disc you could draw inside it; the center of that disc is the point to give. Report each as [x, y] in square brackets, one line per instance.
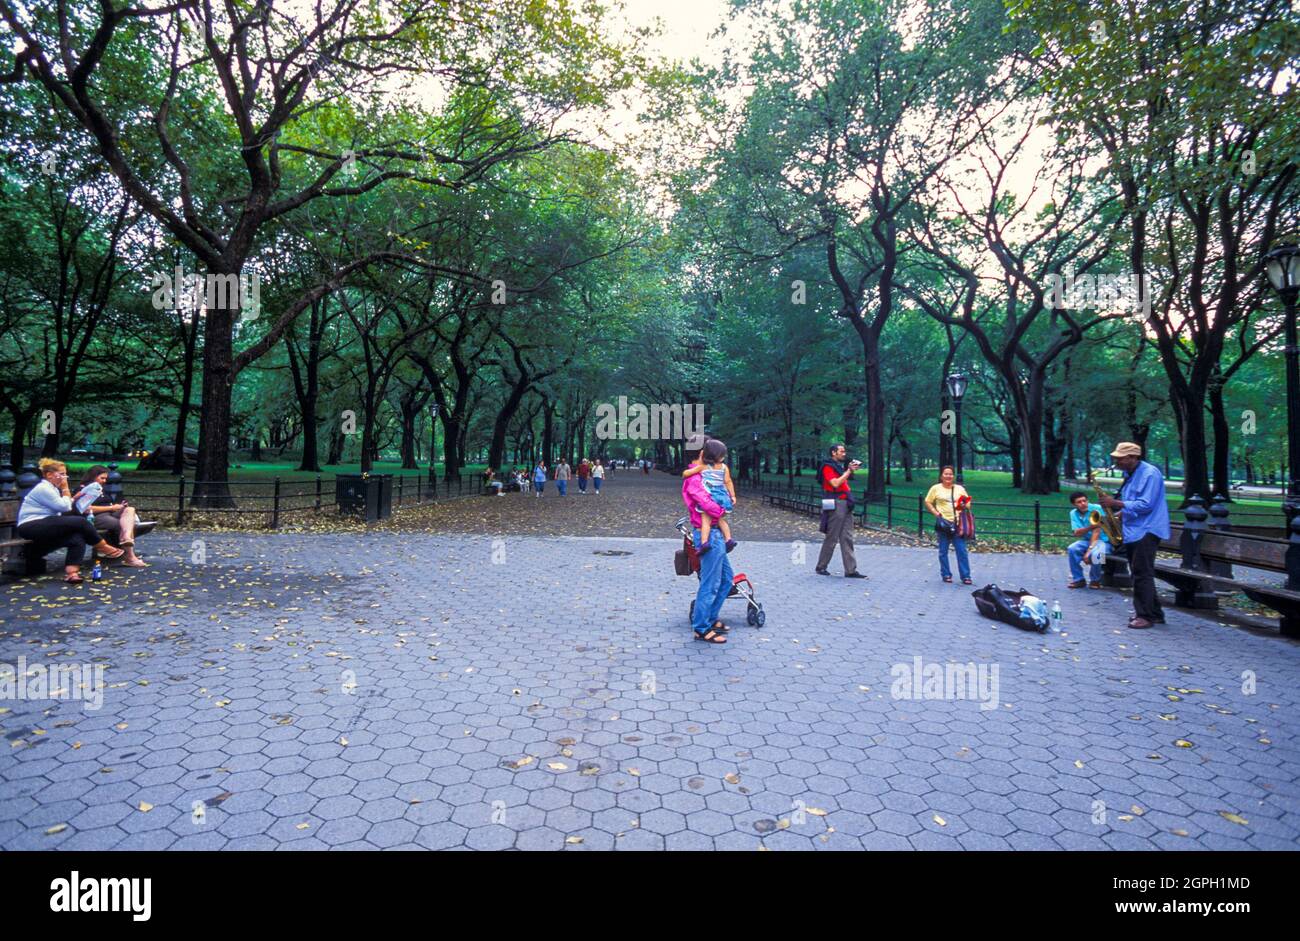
[273, 500]
[1042, 524]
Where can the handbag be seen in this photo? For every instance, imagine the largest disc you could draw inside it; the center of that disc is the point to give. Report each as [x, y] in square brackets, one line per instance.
[945, 527]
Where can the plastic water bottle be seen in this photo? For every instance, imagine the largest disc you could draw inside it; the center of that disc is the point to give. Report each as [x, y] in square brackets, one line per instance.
[96, 573]
[1058, 616]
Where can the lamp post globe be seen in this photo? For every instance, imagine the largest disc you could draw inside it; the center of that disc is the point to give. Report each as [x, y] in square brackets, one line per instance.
[956, 383]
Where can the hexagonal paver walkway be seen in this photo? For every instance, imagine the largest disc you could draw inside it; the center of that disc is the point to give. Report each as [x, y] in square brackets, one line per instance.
[416, 691]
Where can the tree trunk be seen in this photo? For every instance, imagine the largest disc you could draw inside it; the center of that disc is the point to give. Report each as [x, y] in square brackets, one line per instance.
[210, 486]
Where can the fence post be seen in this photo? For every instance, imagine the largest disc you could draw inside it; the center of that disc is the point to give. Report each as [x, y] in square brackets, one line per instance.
[889, 510]
[920, 516]
[1038, 529]
[275, 506]
[400, 484]
[180, 501]
[318, 493]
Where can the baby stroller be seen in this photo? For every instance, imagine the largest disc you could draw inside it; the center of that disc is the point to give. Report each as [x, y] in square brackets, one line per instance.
[686, 561]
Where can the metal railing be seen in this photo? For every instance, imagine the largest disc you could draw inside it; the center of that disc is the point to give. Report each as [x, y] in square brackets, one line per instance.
[1020, 523]
[272, 499]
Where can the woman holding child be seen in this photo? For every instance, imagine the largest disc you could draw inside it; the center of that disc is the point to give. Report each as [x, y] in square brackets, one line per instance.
[715, 569]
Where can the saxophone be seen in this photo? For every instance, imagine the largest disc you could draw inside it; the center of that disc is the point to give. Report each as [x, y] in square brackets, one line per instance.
[1110, 524]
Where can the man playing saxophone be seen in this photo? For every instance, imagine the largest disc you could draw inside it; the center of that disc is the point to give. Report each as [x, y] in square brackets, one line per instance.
[1093, 541]
[1145, 514]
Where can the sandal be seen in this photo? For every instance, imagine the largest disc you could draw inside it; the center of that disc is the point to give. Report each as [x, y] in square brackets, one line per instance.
[73, 579]
[111, 553]
[947, 579]
[720, 627]
[967, 581]
[1078, 584]
[711, 637]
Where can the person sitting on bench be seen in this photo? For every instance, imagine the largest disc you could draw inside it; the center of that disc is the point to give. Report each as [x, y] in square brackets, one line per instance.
[112, 519]
[47, 518]
[1092, 542]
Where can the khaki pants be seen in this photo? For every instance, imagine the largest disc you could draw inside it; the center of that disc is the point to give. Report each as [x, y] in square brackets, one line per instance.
[839, 529]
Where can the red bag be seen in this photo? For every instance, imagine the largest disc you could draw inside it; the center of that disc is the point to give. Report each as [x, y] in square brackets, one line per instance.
[965, 518]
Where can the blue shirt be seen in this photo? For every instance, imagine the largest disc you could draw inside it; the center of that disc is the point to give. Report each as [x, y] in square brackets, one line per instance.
[1145, 510]
[1079, 520]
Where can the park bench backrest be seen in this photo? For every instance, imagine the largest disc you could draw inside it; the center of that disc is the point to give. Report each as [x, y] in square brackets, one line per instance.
[1252, 551]
[8, 512]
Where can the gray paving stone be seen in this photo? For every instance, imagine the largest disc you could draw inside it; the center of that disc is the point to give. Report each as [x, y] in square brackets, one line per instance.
[790, 721]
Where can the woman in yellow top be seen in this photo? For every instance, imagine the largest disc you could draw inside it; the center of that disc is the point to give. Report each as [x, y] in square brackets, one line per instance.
[940, 501]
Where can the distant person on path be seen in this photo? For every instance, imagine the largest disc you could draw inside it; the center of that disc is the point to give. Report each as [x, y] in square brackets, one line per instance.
[717, 480]
[1145, 518]
[715, 569]
[109, 518]
[584, 471]
[944, 500]
[562, 477]
[1092, 542]
[46, 517]
[539, 478]
[837, 523]
[598, 475]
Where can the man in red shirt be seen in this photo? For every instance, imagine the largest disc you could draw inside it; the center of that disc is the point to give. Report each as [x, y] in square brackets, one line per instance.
[838, 523]
[584, 471]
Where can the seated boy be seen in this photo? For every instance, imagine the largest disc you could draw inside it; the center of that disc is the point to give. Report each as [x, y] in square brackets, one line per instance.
[1093, 543]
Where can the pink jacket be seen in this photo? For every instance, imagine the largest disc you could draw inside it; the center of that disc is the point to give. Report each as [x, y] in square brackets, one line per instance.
[696, 497]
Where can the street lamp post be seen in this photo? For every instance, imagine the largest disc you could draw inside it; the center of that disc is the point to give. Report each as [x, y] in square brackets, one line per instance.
[957, 390]
[755, 472]
[433, 449]
[1282, 265]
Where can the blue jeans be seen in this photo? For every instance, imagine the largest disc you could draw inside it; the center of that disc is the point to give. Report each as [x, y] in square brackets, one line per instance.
[1076, 553]
[715, 583]
[582, 484]
[963, 560]
[596, 482]
[539, 486]
[562, 486]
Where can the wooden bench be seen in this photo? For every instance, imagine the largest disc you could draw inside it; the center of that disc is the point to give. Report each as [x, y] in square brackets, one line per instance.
[15, 559]
[1207, 559]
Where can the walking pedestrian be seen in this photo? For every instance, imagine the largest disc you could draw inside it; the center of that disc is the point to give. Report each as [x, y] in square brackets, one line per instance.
[837, 512]
[598, 476]
[584, 471]
[562, 473]
[539, 478]
[1144, 515]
